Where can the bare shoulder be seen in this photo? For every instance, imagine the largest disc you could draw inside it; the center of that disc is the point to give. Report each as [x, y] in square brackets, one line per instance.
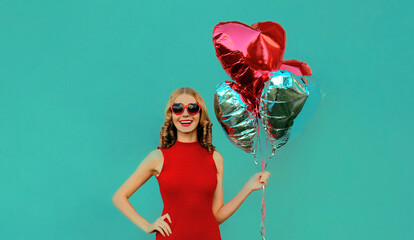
[153, 159]
[155, 154]
[218, 159]
[217, 156]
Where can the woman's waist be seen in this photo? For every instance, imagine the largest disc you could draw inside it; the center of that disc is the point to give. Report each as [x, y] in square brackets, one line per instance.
[184, 222]
[187, 224]
[189, 212]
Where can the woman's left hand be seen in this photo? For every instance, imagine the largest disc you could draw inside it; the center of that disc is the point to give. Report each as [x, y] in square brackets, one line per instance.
[256, 181]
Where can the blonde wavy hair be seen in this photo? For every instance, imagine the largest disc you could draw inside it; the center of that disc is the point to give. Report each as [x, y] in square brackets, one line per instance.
[168, 134]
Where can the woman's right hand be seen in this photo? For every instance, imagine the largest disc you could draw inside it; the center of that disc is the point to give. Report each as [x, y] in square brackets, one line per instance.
[160, 225]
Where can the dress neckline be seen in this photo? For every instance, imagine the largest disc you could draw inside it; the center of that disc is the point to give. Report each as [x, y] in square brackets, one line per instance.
[187, 143]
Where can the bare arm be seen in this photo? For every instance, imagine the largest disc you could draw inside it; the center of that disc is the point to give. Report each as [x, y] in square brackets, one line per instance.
[223, 211]
[144, 171]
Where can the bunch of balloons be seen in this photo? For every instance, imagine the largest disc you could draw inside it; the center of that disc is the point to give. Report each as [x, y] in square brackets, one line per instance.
[262, 86]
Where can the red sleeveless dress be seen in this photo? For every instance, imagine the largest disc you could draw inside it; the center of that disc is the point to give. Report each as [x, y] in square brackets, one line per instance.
[187, 183]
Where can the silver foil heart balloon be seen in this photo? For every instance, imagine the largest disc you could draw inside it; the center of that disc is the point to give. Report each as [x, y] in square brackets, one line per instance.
[235, 116]
[281, 101]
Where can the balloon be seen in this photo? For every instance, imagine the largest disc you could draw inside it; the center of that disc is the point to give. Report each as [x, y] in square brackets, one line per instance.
[281, 101]
[296, 67]
[235, 116]
[249, 54]
[252, 56]
[308, 109]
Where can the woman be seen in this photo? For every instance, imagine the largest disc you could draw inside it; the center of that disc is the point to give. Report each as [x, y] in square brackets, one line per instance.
[189, 171]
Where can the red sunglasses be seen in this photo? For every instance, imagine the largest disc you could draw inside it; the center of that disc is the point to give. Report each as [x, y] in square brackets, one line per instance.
[192, 108]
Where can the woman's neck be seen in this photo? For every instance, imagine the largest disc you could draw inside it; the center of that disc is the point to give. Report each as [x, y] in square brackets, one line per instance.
[187, 137]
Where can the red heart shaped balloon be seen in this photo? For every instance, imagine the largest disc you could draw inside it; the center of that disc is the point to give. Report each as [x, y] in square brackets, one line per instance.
[296, 67]
[249, 54]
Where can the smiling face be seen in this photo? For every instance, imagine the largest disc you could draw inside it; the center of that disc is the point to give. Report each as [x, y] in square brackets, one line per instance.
[185, 122]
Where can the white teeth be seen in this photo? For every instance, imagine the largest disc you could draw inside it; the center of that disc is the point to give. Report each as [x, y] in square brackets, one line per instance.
[186, 122]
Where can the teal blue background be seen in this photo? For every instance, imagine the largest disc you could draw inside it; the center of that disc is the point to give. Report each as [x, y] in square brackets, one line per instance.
[84, 85]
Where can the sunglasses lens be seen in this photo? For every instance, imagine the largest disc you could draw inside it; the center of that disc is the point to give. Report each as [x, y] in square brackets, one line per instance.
[177, 108]
[193, 108]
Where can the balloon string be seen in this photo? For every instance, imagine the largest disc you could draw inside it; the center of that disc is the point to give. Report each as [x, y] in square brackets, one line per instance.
[262, 208]
[263, 187]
